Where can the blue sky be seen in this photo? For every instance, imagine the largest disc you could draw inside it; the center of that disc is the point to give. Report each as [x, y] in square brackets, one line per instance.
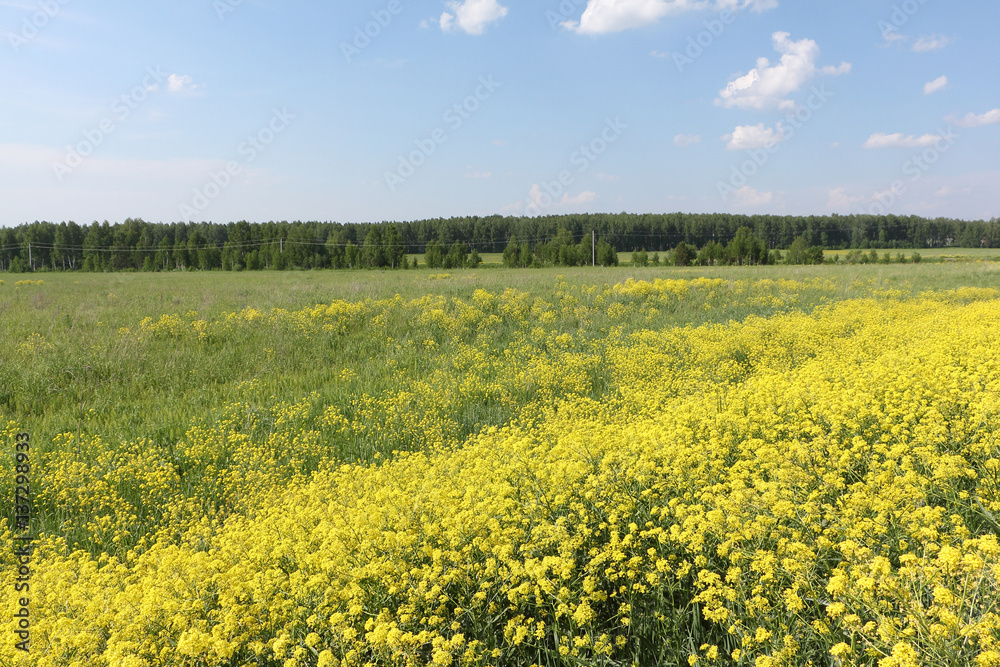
[261, 110]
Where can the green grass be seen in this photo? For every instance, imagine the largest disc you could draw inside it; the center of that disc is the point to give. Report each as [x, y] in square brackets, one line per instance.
[90, 366]
[69, 368]
[491, 260]
[933, 254]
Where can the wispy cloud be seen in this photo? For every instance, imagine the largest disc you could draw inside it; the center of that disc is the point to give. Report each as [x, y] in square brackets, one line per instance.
[839, 200]
[929, 43]
[977, 120]
[898, 140]
[934, 86]
[747, 197]
[683, 140]
[181, 83]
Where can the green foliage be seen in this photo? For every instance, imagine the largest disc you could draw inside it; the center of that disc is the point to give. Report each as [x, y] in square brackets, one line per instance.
[746, 248]
[512, 253]
[682, 254]
[552, 241]
[457, 256]
[799, 253]
[434, 255]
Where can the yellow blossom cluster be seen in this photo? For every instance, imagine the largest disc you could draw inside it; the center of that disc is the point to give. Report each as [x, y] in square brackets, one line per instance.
[807, 488]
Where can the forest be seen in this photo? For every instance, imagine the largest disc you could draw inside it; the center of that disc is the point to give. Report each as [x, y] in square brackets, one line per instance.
[137, 245]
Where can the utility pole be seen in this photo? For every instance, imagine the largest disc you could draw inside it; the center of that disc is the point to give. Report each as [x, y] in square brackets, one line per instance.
[593, 246]
[282, 246]
[31, 263]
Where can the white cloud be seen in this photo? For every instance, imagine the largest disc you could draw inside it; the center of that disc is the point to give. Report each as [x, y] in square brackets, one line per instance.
[921, 44]
[929, 43]
[767, 86]
[748, 197]
[539, 199]
[753, 5]
[499, 142]
[839, 200]
[604, 16]
[683, 140]
[608, 177]
[471, 16]
[479, 174]
[935, 85]
[749, 137]
[582, 198]
[947, 191]
[893, 36]
[977, 120]
[898, 140]
[181, 83]
[535, 194]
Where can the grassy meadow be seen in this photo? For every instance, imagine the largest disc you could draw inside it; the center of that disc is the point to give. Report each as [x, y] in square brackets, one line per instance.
[709, 466]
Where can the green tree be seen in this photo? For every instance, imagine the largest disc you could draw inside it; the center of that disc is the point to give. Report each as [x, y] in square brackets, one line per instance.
[606, 254]
[682, 254]
[745, 248]
[395, 249]
[434, 255]
[373, 252]
[457, 256]
[511, 254]
[797, 251]
[352, 256]
[525, 257]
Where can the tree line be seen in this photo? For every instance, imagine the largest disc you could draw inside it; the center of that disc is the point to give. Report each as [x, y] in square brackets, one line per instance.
[565, 240]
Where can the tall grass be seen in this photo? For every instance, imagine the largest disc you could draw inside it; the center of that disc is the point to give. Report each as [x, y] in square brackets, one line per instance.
[78, 367]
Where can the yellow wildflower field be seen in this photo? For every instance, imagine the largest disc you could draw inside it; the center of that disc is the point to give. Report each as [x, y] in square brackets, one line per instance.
[556, 479]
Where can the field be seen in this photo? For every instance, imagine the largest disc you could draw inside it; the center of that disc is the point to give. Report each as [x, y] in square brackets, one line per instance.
[494, 260]
[933, 254]
[490, 259]
[726, 466]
